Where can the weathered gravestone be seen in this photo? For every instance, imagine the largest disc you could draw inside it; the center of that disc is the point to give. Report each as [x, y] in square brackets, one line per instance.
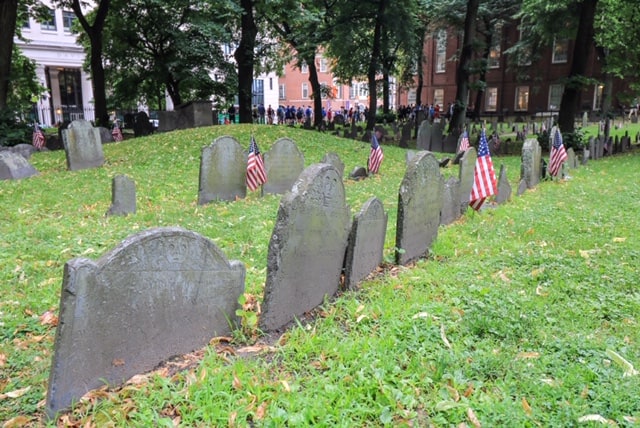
[571, 158]
[123, 196]
[105, 135]
[332, 158]
[24, 150]
[423, 140]
[142, 126]
[466, 176]
[585, 156]
[307, 246]
[522, 187]
[437, 137]
[13, 166]
[82, 145]
[406, 134]
[358, 173]
[419, 206]
[160, 293]
[366, 243]
[531, 170]
[450, 201]
[283, 163]
[223, 168]
[409, 154]
[504, 188]
[451, 142]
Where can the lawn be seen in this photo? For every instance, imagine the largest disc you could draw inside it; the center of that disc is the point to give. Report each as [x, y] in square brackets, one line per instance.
[522, 315]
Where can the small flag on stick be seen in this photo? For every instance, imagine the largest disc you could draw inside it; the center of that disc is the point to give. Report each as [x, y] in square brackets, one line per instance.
[484, 180]
[558, 154]
[464, 142]
[116, 132]
[375, 155]
[256, 174]
[38, 139]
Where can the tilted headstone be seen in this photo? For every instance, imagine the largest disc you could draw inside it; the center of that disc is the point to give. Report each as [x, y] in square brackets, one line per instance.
[365, 249]
[585, 156]
[450, 201]
[522, 187]
[123, 196]
[419, 206]
[358, 173]
[223, 171]
[571, 158]
[13, 166]
[531, 161]
[159, 293]
[423, 141]
[332, 158]
[24, 150]
[592, 147]
[504, 188]
[82, 145]
[466, 176]
[307, 246]
[283, 162]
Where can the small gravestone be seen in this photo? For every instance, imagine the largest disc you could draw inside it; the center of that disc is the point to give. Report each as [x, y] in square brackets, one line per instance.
[123, 196]
[223, 168]
[332, 158]
[466, 176]
[592, 147]
[338, 120]
[423, 141]
[82, 145]
[585, 156]
[13, 166]
[406, 135]
[450, 201]
[419, 206]
[105, 135]
[504, 188]
[307, 247]
[437, 137]
[531, 161]
[358, 173]
[571, 158]
[142, 126]
[366, 243]
[600, 147]
[24, 150]
[283, 162]
[451, 142]
[160, 293]
[522, 187]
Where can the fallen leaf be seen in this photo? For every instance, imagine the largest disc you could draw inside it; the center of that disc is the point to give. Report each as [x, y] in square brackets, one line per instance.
[18, 421]
[453, 392]
[286, 386]
[630, 419]
[261, 411]
[467, 392]
[628, 368]
[526, 406]
[3, 360]
[219, 339]
[49, 318]
[257, 348]
[596, 418]
[473, 418]
[527, 355]
[420, 315]
[17, 393]
[360, 308]
[539, 291]
[619, 239]
[361, 317]
[237, 385]
[117, 362]
[232, 419]
[443, 336]
[585, 392]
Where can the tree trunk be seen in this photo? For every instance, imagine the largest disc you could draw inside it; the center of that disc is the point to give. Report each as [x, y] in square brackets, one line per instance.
[584, 41]
[8, 15]
[244, 56]
[420, 71]
[376, 49]
[385, 91]
[315, 90]
[488, 40]
[462, 73]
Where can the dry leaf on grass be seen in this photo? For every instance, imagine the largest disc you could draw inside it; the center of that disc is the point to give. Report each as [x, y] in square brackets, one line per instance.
[596, 418]
[526, 407]
[473, 418]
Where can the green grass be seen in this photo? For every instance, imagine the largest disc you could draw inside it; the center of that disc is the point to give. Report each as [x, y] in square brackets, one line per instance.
[508, 322]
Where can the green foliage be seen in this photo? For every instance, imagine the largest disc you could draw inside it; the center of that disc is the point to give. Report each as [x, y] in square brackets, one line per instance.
[12, 131]
[382, 117]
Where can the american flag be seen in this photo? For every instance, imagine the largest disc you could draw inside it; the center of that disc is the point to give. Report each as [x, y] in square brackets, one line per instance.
[464, 142]
[375, 155]
[38, 139]
[484, 180]
[116, 132]
[558, 153]
[256, 174]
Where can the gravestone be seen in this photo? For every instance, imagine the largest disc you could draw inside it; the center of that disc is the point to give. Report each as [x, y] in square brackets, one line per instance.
[585, 119]
[160, 293]
[409, 154]
[307, 246]
[571, 158]
[123, 196]
[366, 243]
[13, 166]
[105, 135]
[223, 168]
[522, 187]
[358, 173]
[451, 142]
[419, 206]
[142, 126]
[24, 150]
[82, 145]
[450, 201]
[531, 161]
[406, 135]
[283, 163]
[504, 188]
[592, 147]
[423, 141]
[466, 177]
[600, 147]
[437, 137]
[585, 156]
[338, 119]
[332, 158]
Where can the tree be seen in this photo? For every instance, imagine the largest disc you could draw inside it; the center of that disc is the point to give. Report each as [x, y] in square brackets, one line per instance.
[8, 17]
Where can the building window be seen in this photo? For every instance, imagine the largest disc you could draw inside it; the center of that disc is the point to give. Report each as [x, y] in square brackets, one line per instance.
[352, 91]
[304, 68]
[324, 90]
[524, 55]
[363, 90]
[555, 96]
[67, 20]
[597, 97]
[560, 51]
[495, 51]
[522, 98]
[491, 99]
[438, 97]
[441, 51]
[51, 23]
[337, 90]
[258, 92]
[323, 65]
[411, 95]
[305, 91]
[282, 93]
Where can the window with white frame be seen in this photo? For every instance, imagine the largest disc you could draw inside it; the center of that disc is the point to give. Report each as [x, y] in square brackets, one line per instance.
[555, 96]
[50, 24]
[524, 57]
[67, 20]
[495, 52]
[282, 92]
[560, 51]
[324, 90]
[337, 91]
[411, 95]
[352, 90]
[522, 98]
[324, 65]
[441, 51]
[597, 97]
[305, 91]
[491, 99]
[438, 97]
[304, 68]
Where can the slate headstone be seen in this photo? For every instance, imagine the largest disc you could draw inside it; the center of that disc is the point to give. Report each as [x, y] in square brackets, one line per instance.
[419, 206]
[437, 137]
[406, 135]
[366, 243]
[24, 150]
[283, 162]
[332, 158]
[307, 246]
[504, 188]
[105, 135]
[571, 158]
[451, 142]
[466, 177]
[522, 187]
[423, 141]
[531, 161]
[142, 126]
[159, 293]
[13, 166]
[450, 201]
[585, 156]
[82, 146]
[123, 196]
[409, 154]
[223, 168]
[358, 173]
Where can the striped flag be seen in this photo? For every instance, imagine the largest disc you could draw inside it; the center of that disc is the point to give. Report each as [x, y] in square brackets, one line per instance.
[116, 132]
[464, 142]
[256, 174]
[38, 139]
[558, 154]
[484, 180]
[375, 155]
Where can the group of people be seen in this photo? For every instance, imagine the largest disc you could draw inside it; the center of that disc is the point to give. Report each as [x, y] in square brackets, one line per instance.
[433, 112]
[292, 115]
